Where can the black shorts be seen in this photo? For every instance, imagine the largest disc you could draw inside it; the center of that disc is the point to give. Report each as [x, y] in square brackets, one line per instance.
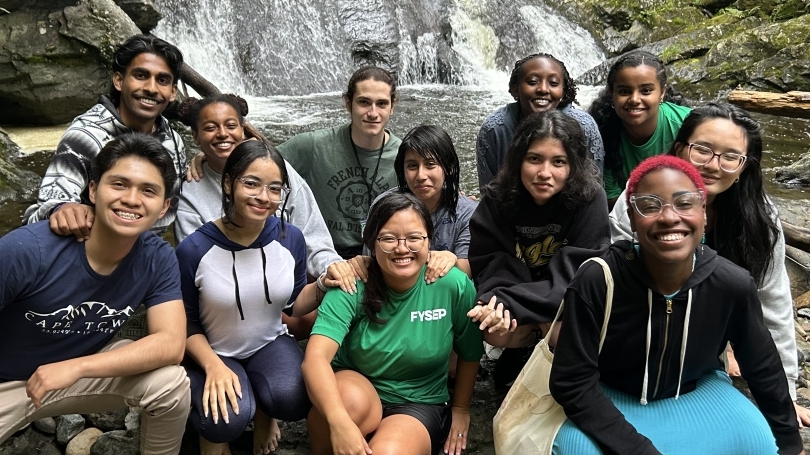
[437, 418]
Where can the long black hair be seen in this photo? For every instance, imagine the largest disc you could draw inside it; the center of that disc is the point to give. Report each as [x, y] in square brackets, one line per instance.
[569, 84]
[375, 294]
[745, 231]
[242, 156]
[604, 113]
[583, 181]
[431, 142]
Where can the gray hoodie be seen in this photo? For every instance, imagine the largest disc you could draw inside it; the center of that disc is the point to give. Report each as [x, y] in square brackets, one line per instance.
[201, 202]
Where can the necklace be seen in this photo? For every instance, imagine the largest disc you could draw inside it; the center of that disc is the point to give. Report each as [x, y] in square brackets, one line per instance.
[369, 186]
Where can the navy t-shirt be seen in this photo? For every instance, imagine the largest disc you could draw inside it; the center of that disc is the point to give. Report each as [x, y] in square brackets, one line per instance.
[54, 306]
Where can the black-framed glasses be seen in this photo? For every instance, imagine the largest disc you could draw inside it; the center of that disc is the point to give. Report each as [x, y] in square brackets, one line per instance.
[687, 204]
[702, 155]
[414, 243]
[253, 188]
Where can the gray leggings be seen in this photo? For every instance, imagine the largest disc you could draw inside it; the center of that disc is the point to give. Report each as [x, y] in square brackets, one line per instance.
[271, 378]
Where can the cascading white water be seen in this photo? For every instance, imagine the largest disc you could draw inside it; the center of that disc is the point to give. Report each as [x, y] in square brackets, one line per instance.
[288, 47]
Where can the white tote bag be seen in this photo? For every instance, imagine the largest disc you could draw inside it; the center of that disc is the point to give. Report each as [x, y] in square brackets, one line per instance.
[529, 418]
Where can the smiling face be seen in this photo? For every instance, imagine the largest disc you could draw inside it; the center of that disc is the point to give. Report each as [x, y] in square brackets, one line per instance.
[669, 237]
[540, 86]
[146, 87]
[425, 178]
[637, 93]
[218, 132]
[129, 197]
[252, 210]
[401, 267]
[545, 169]
[370, 108]
[722, 136]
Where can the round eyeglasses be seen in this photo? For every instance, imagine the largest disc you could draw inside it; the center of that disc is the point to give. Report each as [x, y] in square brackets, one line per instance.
[687, 204]
[702, 155]
[253, 188]
[414, 243]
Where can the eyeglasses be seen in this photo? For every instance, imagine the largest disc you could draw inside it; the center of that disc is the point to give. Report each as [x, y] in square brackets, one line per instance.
[687, 204]
[253, 188]
[414, 243]
[702, 155]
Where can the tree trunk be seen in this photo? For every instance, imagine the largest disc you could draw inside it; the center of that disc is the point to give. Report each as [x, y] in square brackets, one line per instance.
[796, 236]
[790, 104]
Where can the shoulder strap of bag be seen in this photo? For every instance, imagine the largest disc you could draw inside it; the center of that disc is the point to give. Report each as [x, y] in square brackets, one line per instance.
[608, 299]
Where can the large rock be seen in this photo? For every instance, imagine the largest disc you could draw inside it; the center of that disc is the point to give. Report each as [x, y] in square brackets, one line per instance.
[15, 183]
[54, 57]
[797, 174]
[142, 12]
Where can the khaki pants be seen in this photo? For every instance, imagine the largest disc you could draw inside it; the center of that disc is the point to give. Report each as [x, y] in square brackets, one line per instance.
[163, 394]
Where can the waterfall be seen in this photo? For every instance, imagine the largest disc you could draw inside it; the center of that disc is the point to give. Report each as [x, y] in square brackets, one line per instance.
[287, 47]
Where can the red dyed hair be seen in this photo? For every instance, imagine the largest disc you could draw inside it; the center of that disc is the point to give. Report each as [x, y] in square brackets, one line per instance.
[663, 162]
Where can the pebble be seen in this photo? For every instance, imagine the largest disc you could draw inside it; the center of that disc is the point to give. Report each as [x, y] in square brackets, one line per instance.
[80, 445]
[119, 442]
[46, 425]
[68, 426]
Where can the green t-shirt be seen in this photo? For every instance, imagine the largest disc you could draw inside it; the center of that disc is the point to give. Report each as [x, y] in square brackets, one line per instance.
[670, 118]
[340, 181]
[406, 358]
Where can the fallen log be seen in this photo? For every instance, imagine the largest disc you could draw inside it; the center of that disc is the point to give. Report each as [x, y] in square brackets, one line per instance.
[796, 236]
[790, 104]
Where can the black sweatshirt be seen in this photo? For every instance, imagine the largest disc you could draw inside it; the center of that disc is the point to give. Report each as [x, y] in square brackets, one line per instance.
[527, 260]
[724, 308]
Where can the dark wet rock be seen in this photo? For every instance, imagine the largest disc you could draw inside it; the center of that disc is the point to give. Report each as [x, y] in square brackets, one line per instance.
[143, 12]
[14, 182]
[796, 174]
[29, 442]
[119, 442]
[54, 57]
[46, 425]
[109, 420]
[68, 426]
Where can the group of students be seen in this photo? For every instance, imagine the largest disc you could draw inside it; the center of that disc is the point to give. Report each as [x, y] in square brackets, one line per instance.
[364, 244]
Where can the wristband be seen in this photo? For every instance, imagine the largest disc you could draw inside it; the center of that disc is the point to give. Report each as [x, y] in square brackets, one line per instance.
[319, 283]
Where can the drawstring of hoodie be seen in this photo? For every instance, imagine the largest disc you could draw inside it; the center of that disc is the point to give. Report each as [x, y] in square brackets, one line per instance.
[236, 282]
[644, 385]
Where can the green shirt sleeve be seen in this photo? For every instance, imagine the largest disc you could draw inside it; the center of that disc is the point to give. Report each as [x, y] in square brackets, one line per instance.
[467, 338]
[336, 313]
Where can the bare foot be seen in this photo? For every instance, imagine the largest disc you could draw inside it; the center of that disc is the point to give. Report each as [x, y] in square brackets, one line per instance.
[265, 433]
[212, 448]
[733, 368]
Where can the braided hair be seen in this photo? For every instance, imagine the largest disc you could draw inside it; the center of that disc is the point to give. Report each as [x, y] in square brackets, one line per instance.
[569, 85]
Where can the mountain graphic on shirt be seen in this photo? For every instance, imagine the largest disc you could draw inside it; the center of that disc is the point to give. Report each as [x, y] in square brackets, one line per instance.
[84, 309]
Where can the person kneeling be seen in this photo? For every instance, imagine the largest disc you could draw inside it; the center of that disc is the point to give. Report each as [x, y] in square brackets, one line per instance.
[63, 301]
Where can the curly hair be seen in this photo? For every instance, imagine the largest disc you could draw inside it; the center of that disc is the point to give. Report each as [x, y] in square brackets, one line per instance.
[569, 85]
[189, 109]
[604, 113]
[745, 231]
[583, 182]
[375, 294]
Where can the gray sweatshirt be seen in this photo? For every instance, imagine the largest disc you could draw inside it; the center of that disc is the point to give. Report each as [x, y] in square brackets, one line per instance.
[774, 294]
[201, 202]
